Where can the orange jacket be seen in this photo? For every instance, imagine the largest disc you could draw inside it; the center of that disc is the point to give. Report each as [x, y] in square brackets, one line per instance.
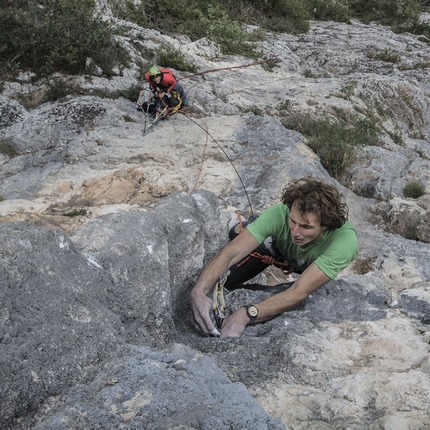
[166, 84]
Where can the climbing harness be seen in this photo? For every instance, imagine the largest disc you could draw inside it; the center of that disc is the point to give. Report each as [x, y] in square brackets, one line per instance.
[218, 306]
[178, 97]
[161, 113]
[270, 261]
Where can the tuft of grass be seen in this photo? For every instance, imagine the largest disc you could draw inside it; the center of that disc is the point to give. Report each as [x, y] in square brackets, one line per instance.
[256, 110]
[309, 74]
[75, 212]
[128, 118]
[348, 89]
[7, 147]
[2, 198]
[414, 189]
[269, 65]
[387, 56]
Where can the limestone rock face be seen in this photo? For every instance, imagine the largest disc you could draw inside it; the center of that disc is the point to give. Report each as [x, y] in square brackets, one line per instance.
[104, 230]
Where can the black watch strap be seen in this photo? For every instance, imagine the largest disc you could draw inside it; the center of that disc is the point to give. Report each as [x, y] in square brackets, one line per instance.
[252, 313]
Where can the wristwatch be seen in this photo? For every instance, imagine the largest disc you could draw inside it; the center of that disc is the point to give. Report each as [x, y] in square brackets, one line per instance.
[252, 313]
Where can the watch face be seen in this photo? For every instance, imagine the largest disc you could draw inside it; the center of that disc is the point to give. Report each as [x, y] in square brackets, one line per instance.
[252, 311]
[237, 228]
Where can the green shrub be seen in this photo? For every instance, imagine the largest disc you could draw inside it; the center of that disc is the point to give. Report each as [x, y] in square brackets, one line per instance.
[2, 198]
[335, 141]
[46, 36]
[227, 33]
[131, 93]
[221, 21]
[57, 89]
[386, 12]
[57, 35]
[414, 189]
[171, 57]
[130, 11]
[328, 10]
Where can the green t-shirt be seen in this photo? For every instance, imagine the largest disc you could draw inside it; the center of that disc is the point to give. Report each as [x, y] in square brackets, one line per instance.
[332, 253]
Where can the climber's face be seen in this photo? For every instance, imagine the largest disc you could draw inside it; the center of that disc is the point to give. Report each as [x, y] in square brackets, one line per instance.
[305, 228]
[157, 79]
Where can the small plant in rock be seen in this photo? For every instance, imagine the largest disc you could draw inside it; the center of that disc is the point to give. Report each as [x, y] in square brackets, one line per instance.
[7, 147]
[309, 74]
[421, 153]
[171, 57]
[410, 229]
[387, 56]
[256, 110]
[284, 105]
[75, 212]
[414, 189]
[128, 118]
[2, 198]
[397, 137]
[348, 89]
[269, 65]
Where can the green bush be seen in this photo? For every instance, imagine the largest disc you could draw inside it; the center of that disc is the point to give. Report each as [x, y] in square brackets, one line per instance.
[131, 93]
[328, 10]
[46, 36]
[386, 12]
[57, 35]
[335, 141]
[171, 57]
[56, 89]
[414, 189]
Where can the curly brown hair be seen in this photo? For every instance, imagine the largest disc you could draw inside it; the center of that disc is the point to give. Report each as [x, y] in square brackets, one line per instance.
[310, 195]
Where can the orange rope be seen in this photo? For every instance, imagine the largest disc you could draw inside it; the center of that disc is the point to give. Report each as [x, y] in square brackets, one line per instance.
[271, 261]
[240, 221]
[203, 155]
[256, 63]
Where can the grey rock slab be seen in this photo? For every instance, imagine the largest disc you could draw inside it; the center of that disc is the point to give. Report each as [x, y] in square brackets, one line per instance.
[173, 389]
[55, 324]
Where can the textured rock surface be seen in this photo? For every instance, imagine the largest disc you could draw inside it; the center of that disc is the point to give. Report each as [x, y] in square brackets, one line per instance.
[102, 236]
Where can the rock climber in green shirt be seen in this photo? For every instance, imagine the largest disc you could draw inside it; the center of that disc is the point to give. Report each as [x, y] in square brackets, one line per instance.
[308, 233]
